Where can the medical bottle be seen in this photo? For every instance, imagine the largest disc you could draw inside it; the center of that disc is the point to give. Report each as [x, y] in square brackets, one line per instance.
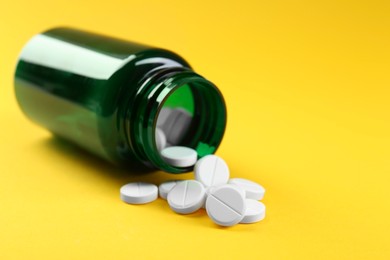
[105, 95]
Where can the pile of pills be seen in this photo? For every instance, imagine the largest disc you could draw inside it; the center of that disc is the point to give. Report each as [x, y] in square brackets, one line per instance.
[227, 201]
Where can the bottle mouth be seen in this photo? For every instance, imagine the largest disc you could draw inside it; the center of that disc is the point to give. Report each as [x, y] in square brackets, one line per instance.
[199, 121]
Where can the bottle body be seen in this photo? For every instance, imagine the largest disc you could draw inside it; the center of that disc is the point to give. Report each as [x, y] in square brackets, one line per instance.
[97, 91]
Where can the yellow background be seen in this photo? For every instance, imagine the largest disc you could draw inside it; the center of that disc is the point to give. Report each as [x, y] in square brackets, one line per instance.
[307, 86]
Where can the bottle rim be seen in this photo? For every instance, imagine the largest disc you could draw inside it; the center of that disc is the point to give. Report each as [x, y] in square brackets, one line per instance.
[209, 119]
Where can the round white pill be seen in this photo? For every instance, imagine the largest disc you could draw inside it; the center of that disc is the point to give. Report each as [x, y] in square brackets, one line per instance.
[186, 197]
[255, 211]
[138, 192]
[210, 189]
[179, 156]
[166, 187]
[211, 170]
[252, 189]
[226, 205]
[161, 140]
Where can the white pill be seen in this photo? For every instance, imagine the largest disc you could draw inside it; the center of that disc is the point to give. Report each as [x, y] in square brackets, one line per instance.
[176, 125]
[163, 115]
[138, 192]
[161, 140]
[252, 189]
[211, 170]
[186, 197]
[225, 205]
[166, 187]
[179, 156]
[255, 211]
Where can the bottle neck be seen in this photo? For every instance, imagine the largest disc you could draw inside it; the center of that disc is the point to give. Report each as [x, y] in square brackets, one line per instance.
[208, 118]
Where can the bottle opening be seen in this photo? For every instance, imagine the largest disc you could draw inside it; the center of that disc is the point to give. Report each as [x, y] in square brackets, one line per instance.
[194, 116]
[181, 109]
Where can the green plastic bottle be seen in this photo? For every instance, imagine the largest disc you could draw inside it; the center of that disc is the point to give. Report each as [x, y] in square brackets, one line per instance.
[105, 95]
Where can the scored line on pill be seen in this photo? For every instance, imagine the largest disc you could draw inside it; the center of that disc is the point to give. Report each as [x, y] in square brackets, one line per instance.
[213, 173]
[185, 193]
[235, 211]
